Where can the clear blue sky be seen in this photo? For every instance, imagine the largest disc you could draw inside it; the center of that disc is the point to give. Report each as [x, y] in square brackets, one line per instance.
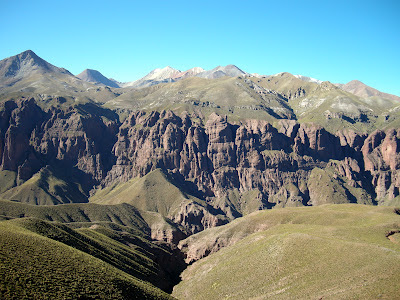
[329, 40]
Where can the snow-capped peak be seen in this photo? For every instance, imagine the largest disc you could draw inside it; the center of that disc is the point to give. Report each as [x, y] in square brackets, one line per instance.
[308, 79]
[161, 74]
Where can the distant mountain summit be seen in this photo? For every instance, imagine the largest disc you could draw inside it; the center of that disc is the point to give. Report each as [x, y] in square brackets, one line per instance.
[156, 76]
[94, 76]
[167, 74]
[308, 79]
[162, 74]
[26, 64]
[362, 90]
[220, 71]
[189, 73]
[26, 75]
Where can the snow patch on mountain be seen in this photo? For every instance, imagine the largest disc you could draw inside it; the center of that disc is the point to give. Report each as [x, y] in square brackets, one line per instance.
[308, 79]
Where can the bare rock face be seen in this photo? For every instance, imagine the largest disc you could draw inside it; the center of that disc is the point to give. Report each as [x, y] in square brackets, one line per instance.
[381, 152]
[196, 218]
[235, 168]
[217, 158]
[31, 139]
[75, 140]
[221, 157]
[18, 120]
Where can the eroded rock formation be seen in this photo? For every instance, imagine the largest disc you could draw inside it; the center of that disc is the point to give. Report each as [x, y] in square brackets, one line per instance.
[248, 164]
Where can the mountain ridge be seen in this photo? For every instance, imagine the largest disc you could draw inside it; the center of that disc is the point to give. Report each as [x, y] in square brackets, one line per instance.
[33, 63]
[359, 88]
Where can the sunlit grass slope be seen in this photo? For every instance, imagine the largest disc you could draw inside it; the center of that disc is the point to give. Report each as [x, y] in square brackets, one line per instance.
[153, 192]
[35, 265]
[325, 252]
[235, 97]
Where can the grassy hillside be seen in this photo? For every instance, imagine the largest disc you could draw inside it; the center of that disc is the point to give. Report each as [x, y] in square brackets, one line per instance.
[326, 187]
[270, 98]
[152, 192]
[44, 188]
[332, 107]
[157, 192]
[328, 252]
[236, 97]
[35, 265]
[122, 217]
[90, 213]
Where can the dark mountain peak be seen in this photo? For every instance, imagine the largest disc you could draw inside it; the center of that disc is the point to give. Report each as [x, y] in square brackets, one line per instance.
[25, 64]
[30, 57]
[95, 76]
[28, 53]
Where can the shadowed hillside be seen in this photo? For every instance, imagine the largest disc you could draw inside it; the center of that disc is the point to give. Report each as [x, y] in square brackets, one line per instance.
[37, 264]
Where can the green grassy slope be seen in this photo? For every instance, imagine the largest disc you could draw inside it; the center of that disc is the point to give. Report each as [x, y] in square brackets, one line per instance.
[332, 107]
[157, 192]
[123, 214]
[326, 187]
[233, 96]
[325, 252]
[137, 259]
[49, 86]
[122, 217]
[152, 192]
[43, 188]
[36, 266]
[7, 180]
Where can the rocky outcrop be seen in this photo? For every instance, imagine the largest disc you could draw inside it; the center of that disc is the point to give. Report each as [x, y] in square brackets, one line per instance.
[195, 218]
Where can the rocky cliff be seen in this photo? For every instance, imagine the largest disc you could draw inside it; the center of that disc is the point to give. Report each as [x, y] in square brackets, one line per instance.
[236, 168]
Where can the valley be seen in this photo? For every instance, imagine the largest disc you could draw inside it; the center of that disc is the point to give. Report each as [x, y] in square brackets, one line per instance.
[197, 184]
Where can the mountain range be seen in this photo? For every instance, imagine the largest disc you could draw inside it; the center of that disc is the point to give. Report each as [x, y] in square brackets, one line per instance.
[196, 185]
[169, 74]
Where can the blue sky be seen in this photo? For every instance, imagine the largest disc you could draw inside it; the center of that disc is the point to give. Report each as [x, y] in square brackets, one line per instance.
[329, 40]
